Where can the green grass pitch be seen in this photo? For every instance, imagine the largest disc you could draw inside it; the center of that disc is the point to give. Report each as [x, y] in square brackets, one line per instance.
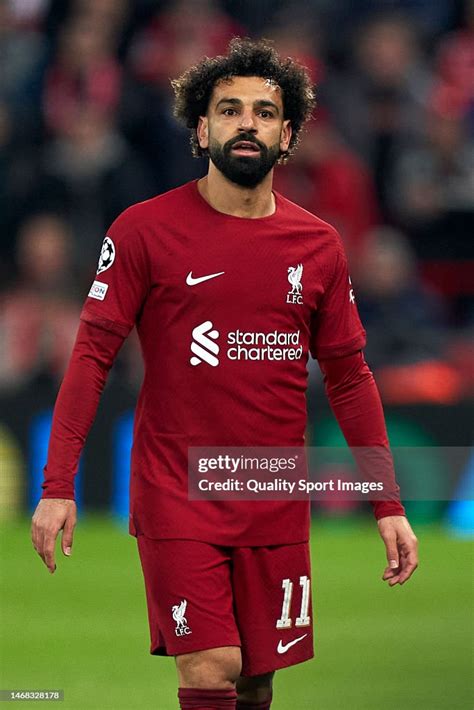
[84, 630]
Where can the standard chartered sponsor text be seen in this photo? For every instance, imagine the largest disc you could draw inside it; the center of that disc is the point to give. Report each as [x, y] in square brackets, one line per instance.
[275, 345]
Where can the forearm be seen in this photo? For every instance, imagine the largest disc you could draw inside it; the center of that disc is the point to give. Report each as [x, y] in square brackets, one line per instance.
[355, 401]
[76, 405]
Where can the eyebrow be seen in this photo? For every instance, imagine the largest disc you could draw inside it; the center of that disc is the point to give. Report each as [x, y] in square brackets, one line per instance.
[261, 103]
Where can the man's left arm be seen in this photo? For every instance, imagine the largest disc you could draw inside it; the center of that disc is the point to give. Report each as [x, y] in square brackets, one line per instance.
[355, 401]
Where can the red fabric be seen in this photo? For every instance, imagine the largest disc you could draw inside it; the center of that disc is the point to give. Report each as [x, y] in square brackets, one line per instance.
[355, 401]
[250, 395]
[94, 352]
[202, 699]
[253, 392]
[212, 584]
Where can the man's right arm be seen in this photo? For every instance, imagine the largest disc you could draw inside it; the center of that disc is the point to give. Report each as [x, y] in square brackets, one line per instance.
[94, 352]
[109, 314]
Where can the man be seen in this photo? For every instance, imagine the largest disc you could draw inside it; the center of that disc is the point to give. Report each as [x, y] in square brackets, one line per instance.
[197, 269]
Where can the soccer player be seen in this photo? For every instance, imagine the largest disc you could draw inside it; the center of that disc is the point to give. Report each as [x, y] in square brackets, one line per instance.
[211, 274]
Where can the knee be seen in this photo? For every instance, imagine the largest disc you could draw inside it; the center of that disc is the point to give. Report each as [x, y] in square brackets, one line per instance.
[213, 668]
[255, 689]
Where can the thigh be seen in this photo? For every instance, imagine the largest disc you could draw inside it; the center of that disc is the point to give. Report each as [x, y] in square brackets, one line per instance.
[272, 595]
[211, 668]
[189, 595]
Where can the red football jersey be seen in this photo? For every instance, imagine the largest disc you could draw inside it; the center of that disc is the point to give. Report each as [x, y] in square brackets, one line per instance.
[227, 310]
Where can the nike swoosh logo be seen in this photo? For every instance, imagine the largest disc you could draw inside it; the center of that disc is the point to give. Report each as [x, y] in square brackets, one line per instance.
[191, 281]
[284, 648]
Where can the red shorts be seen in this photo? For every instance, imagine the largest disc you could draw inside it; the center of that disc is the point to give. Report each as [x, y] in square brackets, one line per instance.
[203, 596]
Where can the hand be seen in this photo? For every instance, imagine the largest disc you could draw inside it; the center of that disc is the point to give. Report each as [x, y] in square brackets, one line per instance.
[51, 516]
[402, 548]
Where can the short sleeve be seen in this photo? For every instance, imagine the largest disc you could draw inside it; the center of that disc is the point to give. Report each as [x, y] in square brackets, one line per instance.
[122, 280]
[336, 329]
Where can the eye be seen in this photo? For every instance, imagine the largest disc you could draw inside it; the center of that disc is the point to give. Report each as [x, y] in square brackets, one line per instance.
[266, 114]
[229, 112]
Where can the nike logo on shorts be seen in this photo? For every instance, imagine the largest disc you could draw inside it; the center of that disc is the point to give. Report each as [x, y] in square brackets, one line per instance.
[284, 648]
[191, 281]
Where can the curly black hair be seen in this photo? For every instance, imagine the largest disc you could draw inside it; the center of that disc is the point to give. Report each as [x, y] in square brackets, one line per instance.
[245, 57]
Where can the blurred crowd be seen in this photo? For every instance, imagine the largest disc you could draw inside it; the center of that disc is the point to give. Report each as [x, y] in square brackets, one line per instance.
[87, 128]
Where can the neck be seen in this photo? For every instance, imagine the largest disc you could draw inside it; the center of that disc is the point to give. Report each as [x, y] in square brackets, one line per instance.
[227, 197]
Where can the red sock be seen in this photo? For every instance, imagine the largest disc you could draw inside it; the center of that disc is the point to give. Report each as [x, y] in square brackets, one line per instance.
[201, 699]
[250, 705]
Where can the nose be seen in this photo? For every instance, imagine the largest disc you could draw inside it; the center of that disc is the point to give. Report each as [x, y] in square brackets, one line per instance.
[247, 122]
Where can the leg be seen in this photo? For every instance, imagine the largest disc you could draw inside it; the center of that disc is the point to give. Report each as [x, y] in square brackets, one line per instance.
[254, 690]
[190, 609]
[213, 668]
[207, 678]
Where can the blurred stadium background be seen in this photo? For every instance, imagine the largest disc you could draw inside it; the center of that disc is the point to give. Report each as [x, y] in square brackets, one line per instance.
[86, 129]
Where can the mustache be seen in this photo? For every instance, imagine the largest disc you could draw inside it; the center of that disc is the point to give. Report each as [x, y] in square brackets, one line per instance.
[245, 137]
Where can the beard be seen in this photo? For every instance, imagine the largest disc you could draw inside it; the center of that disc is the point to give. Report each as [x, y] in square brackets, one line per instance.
[240, 169]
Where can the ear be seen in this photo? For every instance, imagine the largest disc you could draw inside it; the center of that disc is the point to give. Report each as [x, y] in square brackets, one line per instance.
[202, 131]
[285, 136]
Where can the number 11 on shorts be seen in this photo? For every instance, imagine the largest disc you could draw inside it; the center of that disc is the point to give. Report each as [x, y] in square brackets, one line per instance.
[284, 622]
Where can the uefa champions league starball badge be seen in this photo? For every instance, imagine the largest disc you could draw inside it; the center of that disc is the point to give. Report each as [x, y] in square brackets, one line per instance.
[107, 255]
